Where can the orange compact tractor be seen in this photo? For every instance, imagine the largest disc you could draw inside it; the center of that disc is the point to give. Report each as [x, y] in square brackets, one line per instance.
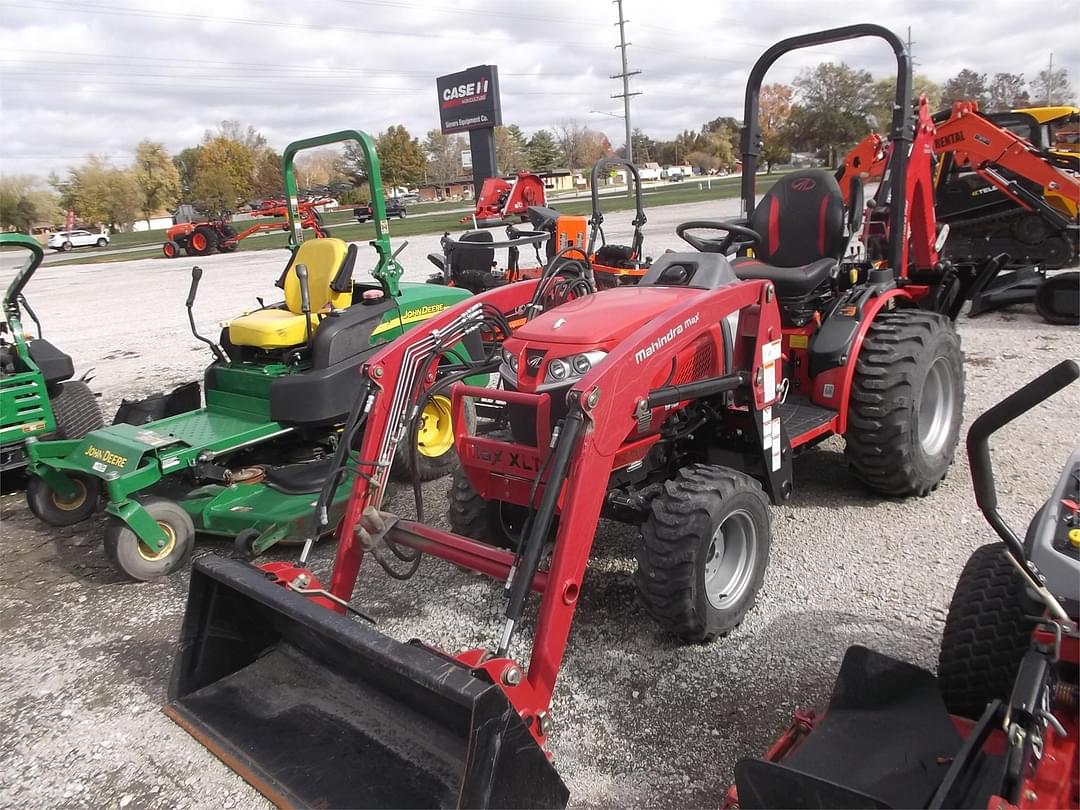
[199, 237]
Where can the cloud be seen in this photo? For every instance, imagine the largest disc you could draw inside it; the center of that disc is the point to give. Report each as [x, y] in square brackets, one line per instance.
[99, 76]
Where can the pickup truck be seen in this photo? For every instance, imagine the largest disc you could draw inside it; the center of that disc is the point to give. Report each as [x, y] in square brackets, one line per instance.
[394, 208]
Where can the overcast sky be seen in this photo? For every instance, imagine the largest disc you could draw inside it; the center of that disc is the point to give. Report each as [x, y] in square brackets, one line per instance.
[98, 76]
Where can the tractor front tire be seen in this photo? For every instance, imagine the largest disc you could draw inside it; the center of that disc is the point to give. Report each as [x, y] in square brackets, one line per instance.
[435, 455]
[986, 633]
[134, 559]
[76, 410]
[55, 510]
[170, 249]
[473, 516]
[704, 551]
[907, 400]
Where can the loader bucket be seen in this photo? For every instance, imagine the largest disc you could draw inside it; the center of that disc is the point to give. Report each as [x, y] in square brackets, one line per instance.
[317, 710]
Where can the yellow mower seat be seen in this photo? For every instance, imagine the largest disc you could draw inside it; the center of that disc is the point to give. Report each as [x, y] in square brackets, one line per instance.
[283, 327]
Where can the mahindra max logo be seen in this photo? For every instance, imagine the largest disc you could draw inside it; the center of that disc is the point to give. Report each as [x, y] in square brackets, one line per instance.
[804, 184]
[465, 93]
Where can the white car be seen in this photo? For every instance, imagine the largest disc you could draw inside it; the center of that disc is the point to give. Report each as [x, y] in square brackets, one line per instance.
[66, 240]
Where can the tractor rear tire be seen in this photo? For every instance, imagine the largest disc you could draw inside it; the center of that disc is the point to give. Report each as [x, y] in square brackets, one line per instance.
[203, 241]
[704, 552]
[50, 508]
[135, 560]
[76, 410]
[986, 633]
[473, 516]
[907, 401]
[436, 455]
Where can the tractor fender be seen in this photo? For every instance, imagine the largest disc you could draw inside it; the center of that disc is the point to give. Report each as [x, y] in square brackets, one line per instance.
[834, 350]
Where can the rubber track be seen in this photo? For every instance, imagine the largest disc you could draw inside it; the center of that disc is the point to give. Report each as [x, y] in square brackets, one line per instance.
[986, 634]
[878, 445]
[666, 576]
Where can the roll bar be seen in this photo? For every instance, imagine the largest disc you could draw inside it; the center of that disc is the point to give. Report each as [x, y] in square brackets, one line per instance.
[597, 218]
[901, 133]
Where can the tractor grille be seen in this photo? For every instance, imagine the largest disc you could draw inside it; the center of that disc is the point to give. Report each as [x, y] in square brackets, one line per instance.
[702, 363]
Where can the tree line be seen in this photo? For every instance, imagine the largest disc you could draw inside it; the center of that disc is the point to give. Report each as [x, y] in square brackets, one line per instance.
[824, 111]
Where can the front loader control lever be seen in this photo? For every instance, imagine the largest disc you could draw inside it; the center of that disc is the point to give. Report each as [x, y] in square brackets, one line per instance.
[196, 276]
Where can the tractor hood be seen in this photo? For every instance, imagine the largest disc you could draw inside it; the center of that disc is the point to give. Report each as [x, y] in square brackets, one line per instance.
[561, 345]
[601, 320]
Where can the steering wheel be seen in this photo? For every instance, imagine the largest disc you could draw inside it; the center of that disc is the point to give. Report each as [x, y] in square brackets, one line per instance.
[734, 232]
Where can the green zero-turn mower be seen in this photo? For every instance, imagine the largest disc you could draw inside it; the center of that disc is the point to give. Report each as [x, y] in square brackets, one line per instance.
[250, 463]
[38, 397]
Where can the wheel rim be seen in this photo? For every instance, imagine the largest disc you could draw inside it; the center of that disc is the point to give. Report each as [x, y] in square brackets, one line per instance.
[729, 562]
[436, 434]
[73, 503]
[936, 407]
[198, 241]
[169, 251]
[149, 554]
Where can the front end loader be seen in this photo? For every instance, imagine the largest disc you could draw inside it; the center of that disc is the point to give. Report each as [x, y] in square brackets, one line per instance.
[247, 464]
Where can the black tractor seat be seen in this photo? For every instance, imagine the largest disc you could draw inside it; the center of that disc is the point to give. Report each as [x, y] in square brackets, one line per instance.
[802, 235]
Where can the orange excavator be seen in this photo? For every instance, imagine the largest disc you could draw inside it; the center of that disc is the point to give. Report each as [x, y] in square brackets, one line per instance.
[996, 191]
[999, 195]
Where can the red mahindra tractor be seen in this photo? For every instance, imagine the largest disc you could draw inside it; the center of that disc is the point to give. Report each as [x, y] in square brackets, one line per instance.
[677, 405]
[202, 236]
[1007, 672]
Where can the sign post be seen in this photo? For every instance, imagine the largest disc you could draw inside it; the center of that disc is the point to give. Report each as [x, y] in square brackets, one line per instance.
[469, 102]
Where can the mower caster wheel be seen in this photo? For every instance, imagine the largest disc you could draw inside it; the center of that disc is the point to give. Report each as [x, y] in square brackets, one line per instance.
[907, 400]
[986, 632]
[244, 543]
[704, 551]
[51, 508]
[434, 453]
[133, 558]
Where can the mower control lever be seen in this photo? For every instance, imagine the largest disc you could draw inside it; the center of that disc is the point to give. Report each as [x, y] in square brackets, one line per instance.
[305, 299]
[196, 275]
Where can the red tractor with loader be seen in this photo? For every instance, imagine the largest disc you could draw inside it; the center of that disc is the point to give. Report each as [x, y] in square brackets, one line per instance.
[205, 235]
[677, 404]
[997, 727]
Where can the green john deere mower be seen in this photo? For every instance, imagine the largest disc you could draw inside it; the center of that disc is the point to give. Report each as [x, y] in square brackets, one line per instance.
[250, 462]
[38, 397]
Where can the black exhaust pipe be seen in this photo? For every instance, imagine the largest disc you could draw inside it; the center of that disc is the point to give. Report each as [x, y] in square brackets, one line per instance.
[316, 710]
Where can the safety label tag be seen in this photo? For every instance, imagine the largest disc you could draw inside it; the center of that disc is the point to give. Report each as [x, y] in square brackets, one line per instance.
[770, 356]
[770, 437]
[151, 438]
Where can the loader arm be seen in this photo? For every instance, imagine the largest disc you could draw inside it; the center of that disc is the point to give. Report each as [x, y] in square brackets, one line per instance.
[978, 144]
[604, 408]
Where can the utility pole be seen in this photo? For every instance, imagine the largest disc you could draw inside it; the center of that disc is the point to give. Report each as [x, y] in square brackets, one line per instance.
[909, 44]
[1050, 81]
[625, 94]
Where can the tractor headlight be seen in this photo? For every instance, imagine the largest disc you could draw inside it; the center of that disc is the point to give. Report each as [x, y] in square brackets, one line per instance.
[567, 369]
[511, 360]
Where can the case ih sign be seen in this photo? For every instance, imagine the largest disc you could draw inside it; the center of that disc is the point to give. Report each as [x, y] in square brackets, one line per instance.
[469, 99]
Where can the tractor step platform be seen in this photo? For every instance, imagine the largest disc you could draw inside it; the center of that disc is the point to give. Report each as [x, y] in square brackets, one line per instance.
[800, 416]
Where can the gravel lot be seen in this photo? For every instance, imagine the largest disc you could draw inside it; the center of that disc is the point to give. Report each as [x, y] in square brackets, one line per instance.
[639, 719]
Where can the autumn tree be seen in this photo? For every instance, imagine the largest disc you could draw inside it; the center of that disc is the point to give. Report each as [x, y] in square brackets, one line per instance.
[268, 182]
[239, 133]
[185, 161]
[883, 99]
[543, 151]
[24, 204]
[833, 104]
[1006, 91]
[511, 149]
[102, 194]
[157, 177]
[579, 146]
[400, 157]
[318, 167]
[224, 175]
[774, 114]
[443, 154]
[1052, 88]
[967, 85]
